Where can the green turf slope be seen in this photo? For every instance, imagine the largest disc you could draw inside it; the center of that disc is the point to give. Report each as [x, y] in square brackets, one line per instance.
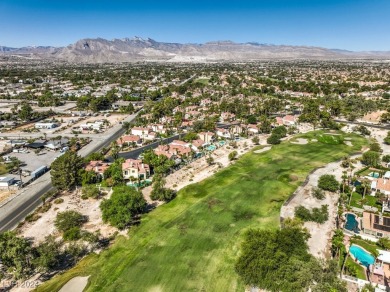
[191, 243]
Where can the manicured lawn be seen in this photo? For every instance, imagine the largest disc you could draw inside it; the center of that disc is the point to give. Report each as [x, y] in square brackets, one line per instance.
[358, 202]
[204, 81]
[361, 273]
[191, 243]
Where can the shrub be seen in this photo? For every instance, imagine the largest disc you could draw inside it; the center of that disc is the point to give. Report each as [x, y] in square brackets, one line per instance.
[386, 158]
[232, 155]
[69, 219]
[273, 139]
[44, 208]
[371, 158]
[318, 193]
[71, 234]
[384, 243]
[123, 206]
[319, 215]
[58, 201]
[328, 182]
[280, 131]
[90, 191]
[375, 147]
[32, 217]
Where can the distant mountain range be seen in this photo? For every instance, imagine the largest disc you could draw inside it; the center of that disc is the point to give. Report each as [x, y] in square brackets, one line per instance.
[138, 49]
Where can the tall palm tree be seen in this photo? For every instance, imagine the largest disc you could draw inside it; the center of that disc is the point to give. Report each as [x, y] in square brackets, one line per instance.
[366, 185]
[344, 178]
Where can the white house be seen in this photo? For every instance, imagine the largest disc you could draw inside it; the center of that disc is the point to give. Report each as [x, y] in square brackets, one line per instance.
[45, 125]
[6, 181]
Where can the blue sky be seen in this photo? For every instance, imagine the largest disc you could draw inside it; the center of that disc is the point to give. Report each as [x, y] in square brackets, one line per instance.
[343, 24]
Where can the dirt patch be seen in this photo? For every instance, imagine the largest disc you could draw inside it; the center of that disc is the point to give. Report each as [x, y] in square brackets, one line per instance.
[300, 141]
[5, 194]
[373, 117]
[44, 226]
[321, 234]
[76, 284]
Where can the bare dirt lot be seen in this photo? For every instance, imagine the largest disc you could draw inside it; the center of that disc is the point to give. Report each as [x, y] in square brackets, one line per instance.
[5, 194]
[321, 234]
[44, 226]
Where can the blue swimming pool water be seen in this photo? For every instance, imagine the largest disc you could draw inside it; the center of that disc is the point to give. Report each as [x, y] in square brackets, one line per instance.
[211, 148]
[361, 255]
[374, 174]
[351, 223]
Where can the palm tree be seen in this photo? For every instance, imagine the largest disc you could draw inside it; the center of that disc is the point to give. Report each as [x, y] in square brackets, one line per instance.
[344, 177]
[366, 185]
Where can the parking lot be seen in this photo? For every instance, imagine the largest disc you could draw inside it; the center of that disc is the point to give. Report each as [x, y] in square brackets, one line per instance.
[32, 161]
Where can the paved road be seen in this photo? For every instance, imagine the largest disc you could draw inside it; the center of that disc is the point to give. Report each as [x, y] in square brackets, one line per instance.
[30, 198]
[133, 154]
[386, 127]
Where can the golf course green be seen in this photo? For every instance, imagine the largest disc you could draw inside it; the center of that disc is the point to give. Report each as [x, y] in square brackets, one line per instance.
[191, 243]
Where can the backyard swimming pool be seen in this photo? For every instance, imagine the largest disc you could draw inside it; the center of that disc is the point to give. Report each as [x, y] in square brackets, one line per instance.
[361, 255]
[351, 223]
[211, 148]
[374, 174]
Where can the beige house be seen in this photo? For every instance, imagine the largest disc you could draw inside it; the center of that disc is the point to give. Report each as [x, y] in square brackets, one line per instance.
[133, 168]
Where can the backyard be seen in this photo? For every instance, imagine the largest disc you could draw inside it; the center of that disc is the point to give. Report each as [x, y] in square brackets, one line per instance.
[192, 242]
[358, 201]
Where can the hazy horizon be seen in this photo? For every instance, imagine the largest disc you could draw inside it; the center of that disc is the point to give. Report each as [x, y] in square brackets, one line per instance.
[348, 25]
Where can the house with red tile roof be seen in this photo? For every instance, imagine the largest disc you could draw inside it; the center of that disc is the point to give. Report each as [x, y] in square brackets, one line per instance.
[97, 166]
[128, 140]
[175, 149]
[208, 137]
[253, 129]
[382, 185]
[135, 168]
[223, 133]
[197, 144]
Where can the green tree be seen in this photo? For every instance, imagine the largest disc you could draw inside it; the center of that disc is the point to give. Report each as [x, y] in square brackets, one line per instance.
[16, 255]
[210, 160]
[256, 140]
[375, 147]
[265, 125]
[328, 182]
[159, 191]
[65, 171]
[123, 207]
[189, 137]
[25, 112]
[69, 219]
[371, 158]
[114, 172]
[280, 131]
[386, 158]
[49, 254]
[273, 139]
[232, 155]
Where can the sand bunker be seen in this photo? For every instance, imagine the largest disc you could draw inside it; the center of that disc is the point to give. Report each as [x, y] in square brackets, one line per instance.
[313, 140]
[300, 141]
[262, 150]
[349, 143]
[77, 284]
